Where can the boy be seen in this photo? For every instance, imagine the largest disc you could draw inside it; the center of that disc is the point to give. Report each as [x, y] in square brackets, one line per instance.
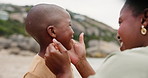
[44, 23]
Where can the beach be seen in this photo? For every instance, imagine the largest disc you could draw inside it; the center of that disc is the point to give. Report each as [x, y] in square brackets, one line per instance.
[15, 66]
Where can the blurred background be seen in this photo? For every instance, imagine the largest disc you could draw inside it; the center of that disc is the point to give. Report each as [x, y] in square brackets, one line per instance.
[98, 19]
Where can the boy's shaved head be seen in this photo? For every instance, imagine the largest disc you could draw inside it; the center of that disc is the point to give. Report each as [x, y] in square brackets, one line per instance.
[47, 21]
[40, 17]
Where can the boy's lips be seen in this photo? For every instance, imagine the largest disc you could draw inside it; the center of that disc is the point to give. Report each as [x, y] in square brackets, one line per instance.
[72, 37]
[121, 43]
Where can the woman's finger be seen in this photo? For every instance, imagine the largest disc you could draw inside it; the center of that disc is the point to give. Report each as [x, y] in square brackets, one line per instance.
[60, 46]
[81, 38]
[51, 49]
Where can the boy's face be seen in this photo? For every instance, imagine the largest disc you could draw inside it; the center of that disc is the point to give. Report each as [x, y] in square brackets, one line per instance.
[64, 32]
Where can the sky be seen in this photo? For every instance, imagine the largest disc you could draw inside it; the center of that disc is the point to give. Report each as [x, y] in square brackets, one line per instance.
[106, 11]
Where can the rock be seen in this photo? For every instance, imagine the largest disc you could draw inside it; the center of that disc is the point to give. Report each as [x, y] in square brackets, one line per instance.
[77, 27]
[13, 44]
[27, 53]
[100, 25]
[101, 48]
[91, 50]
[79, 17]
[14, 50]
[9, 8]
[4, 43]
[93, 43]
[4, 15]
[34, 46]
[92, 30]
[19, 41]
[17, 16]
[25, 43]
[108, 47]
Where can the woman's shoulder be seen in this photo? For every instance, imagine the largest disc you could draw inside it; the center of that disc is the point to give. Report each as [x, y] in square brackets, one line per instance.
[129, 64]
[134, 53]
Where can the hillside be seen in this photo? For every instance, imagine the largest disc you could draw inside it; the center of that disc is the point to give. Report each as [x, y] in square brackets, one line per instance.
[99, 37]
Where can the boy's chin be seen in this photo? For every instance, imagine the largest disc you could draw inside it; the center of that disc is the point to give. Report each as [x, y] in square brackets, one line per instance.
[68, 47]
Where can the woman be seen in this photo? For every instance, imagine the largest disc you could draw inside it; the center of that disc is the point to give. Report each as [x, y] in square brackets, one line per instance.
[133, 37]
[133, 24]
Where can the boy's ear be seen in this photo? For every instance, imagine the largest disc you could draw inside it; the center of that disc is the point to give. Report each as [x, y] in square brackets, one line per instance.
[51, 31]
[145, 19]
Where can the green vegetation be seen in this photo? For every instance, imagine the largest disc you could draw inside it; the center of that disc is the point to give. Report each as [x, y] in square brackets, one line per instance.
[28, 8]
[10, 27]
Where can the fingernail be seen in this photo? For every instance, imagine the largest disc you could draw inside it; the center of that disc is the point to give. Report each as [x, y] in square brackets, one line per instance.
[54, 40]
[82, 33]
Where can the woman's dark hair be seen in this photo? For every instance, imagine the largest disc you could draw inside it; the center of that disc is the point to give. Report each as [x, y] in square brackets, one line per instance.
[138, 6]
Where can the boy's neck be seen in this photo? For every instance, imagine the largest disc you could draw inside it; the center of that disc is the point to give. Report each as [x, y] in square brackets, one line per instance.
[43, 47]
[42, 52]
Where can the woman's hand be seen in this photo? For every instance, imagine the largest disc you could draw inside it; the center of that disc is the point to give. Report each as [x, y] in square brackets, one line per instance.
[57, 60]
[78, 57]
[77, 52]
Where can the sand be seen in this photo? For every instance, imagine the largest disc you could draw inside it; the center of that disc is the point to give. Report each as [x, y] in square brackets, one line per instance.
[15, 66]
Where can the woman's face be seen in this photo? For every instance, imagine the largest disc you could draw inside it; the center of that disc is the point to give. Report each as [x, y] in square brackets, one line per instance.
[129, 30]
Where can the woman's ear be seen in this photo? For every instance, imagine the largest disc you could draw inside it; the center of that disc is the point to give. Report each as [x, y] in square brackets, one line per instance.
[145, 19]
[51, 31]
